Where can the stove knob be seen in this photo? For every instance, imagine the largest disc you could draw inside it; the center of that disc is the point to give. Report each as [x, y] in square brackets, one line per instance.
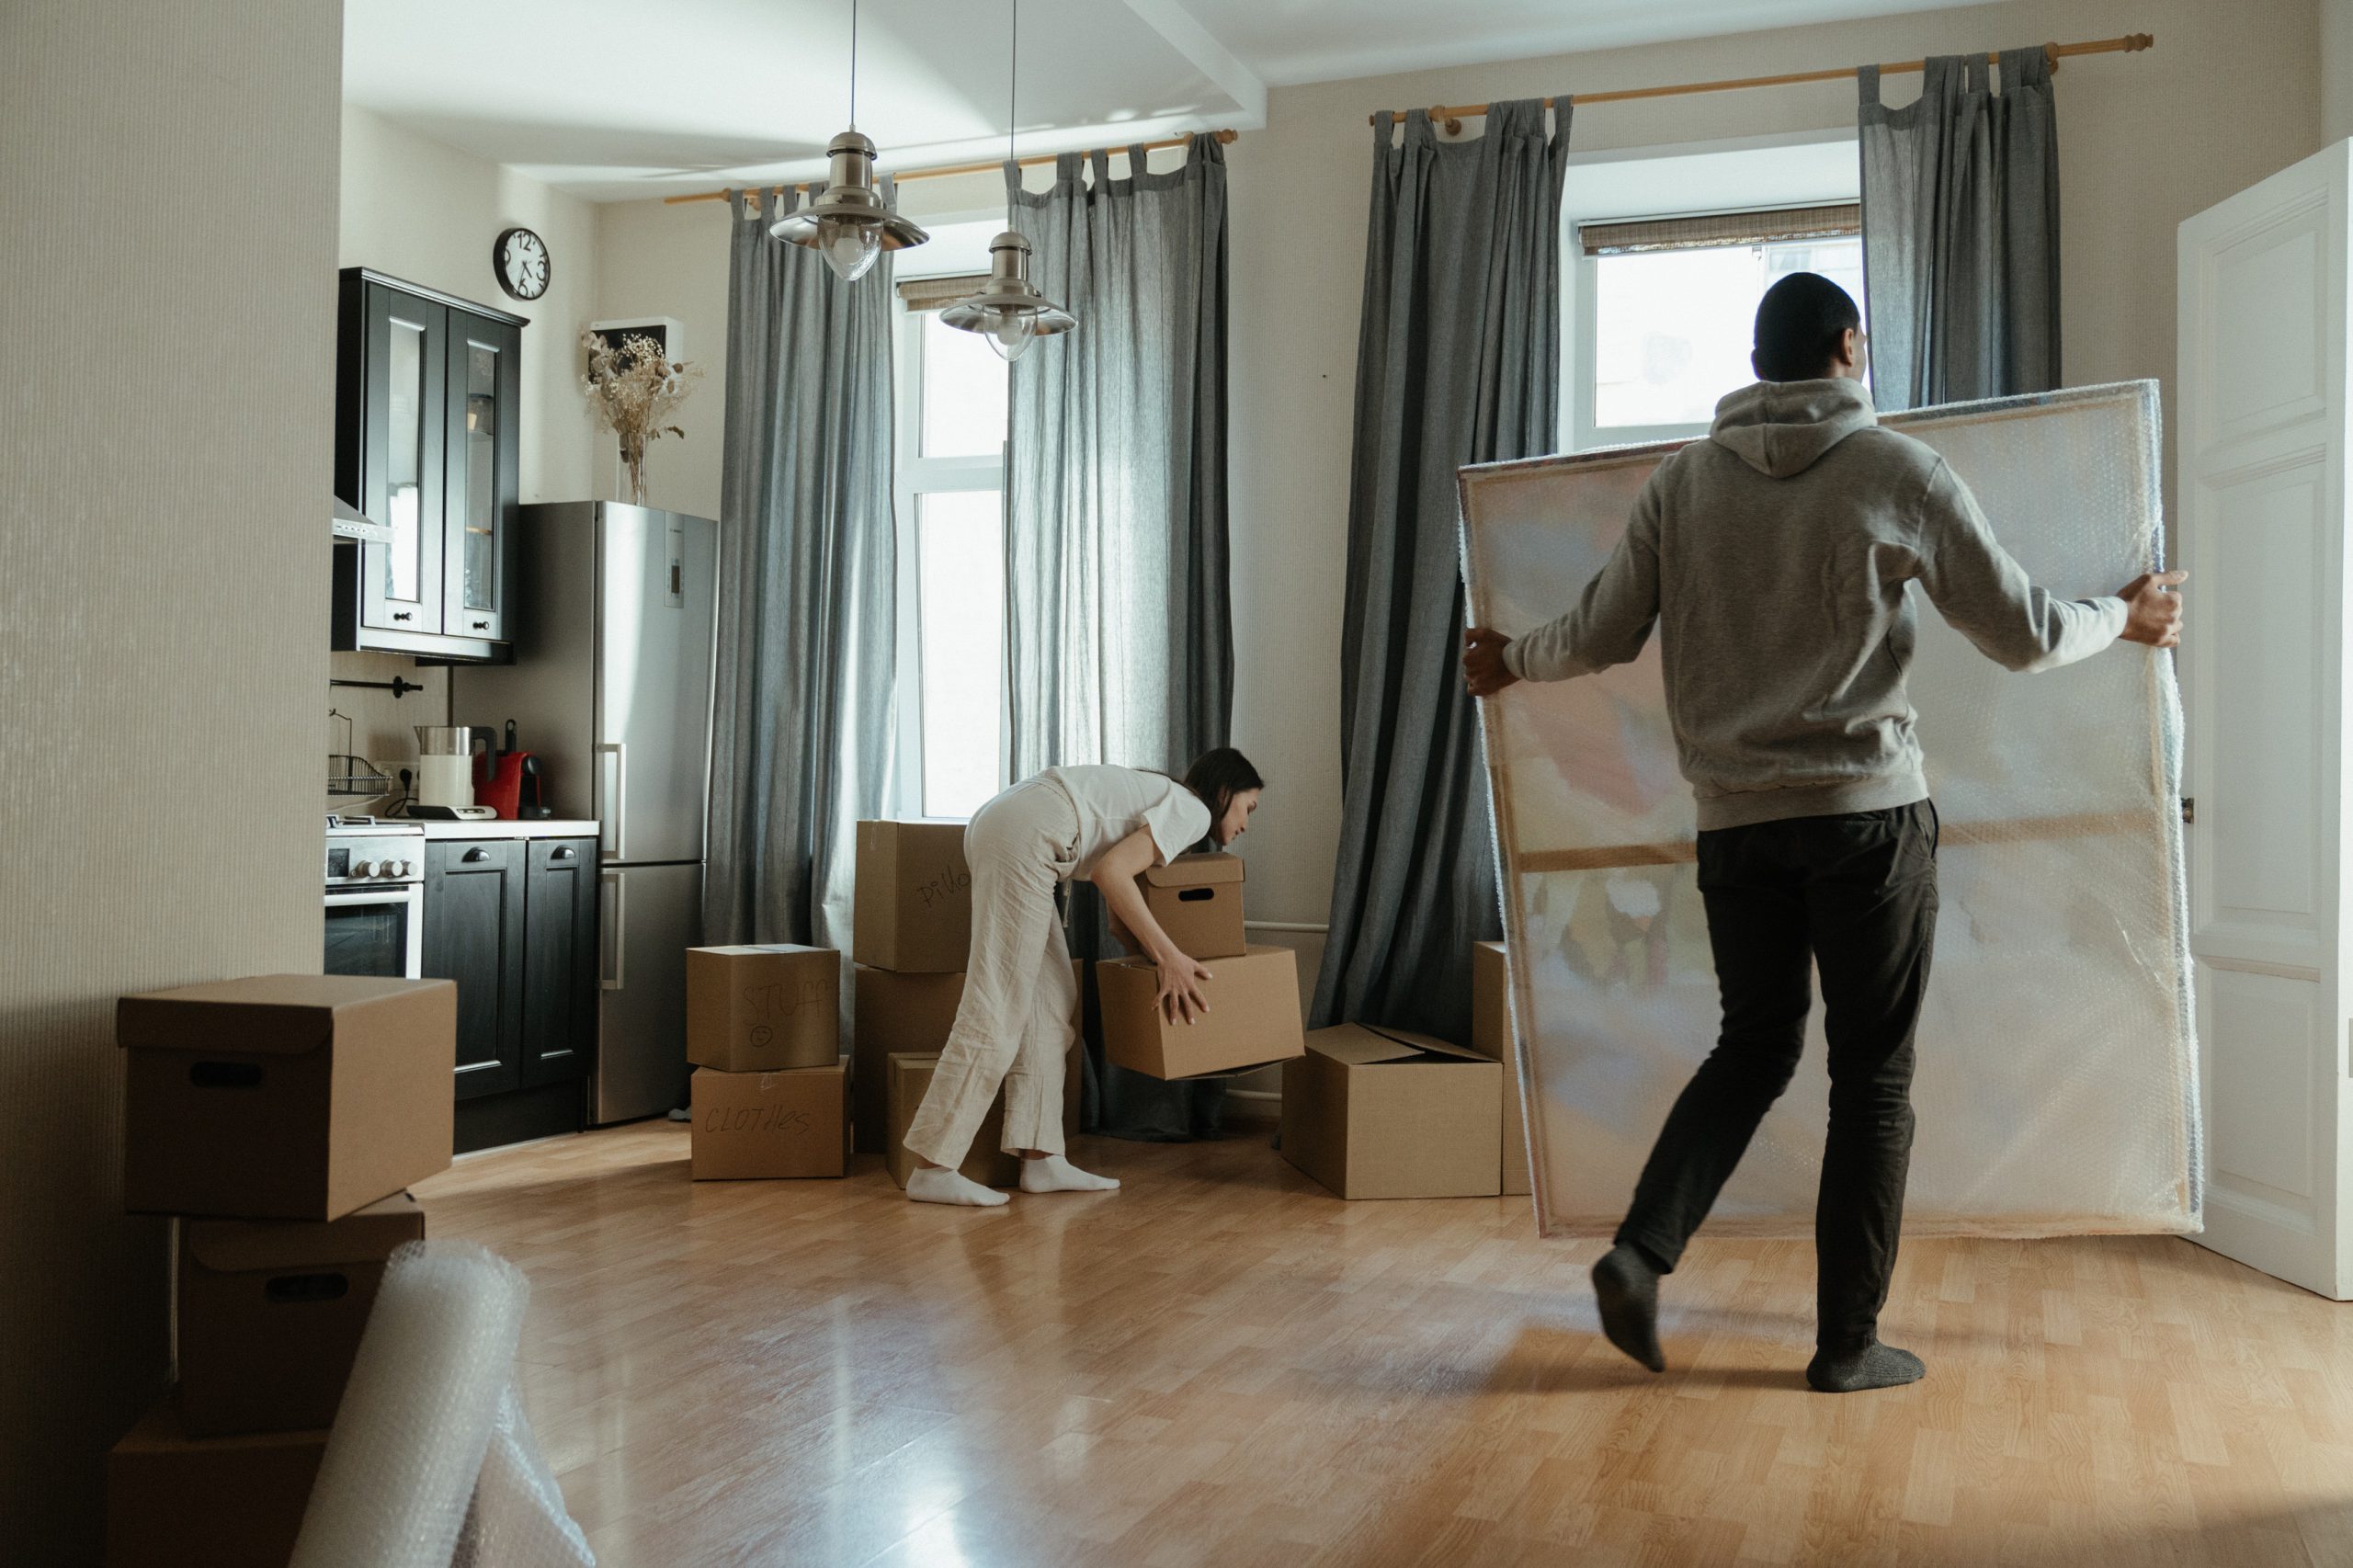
[364, 868]
[394, 868]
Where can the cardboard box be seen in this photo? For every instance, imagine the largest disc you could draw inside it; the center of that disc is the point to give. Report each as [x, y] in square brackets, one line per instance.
[1253, 1019]
[221, 1503]
[1198, 900]
[1382, 1113]
[285, 1096]
[910, 1015]
[1492, 1036]
[914, 912]
[764, 1008]
[270, 1315]
[751, 1126]
[909, 1077]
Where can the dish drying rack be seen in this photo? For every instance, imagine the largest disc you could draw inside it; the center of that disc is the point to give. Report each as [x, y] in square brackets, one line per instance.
[349, 773]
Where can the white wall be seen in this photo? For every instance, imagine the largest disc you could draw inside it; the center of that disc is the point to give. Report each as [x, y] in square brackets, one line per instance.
[2229, 95]
[426, 213]
[2335, 70]
[168, 176]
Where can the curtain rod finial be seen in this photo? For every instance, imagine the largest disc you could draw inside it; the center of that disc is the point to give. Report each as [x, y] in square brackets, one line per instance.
[2135, 42]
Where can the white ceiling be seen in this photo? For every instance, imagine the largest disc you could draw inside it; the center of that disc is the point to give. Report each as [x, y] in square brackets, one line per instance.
[620, 99]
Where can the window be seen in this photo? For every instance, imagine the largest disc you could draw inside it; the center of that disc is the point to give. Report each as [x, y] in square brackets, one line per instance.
[1668, 312]
[952, 391]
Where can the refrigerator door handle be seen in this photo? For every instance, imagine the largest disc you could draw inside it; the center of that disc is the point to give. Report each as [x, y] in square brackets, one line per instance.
[612, 831]
[613, 926]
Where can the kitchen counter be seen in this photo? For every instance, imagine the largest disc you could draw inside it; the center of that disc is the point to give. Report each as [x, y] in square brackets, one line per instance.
[493, 827]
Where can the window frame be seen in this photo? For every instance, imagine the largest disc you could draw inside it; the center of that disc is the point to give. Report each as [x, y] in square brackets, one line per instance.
[916, 476]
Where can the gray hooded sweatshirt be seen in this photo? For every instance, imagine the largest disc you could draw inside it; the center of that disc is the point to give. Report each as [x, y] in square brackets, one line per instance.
[1773, 555]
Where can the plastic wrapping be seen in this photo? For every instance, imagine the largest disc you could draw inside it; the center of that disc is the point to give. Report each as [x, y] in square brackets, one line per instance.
[2056, 1089]
[430, 1461]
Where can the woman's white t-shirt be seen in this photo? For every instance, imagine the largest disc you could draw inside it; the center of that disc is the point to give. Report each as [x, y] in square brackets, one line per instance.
[1114, 802]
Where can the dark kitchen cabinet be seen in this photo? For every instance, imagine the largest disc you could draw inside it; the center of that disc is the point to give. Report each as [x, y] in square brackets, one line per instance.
[427, 388]
[513, 921]
[474, 934]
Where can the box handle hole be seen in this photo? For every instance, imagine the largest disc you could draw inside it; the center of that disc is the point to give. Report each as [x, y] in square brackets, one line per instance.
[289, 1289]
[225, 1075]
[1195, 896]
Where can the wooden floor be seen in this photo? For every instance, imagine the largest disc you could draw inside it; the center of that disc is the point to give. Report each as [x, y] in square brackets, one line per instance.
[1222, 1364]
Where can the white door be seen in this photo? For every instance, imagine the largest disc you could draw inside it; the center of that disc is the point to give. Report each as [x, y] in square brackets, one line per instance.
[2263, 410]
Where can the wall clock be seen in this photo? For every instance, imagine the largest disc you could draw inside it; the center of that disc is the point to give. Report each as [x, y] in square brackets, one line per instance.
[520, 258]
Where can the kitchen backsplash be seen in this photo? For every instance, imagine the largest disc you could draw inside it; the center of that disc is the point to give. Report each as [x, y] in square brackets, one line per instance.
[382, 729]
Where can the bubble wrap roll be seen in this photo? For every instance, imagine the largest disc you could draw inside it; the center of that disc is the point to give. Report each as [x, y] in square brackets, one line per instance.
[2056, 1090]
[418, 1417]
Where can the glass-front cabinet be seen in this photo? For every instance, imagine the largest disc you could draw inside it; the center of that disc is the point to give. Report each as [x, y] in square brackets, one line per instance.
[427, 389]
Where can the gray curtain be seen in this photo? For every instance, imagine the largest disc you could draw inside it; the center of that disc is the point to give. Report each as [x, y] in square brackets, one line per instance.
[1457, 361]
[807, 554]
[1119, 634]
[1960, 232]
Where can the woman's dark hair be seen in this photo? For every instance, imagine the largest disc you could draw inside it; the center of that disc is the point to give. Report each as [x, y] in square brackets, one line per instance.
[1219, 775]
[1798, 324]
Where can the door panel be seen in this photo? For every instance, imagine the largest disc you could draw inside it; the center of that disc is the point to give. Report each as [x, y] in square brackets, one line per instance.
[401, 475]
[560, 959]
[657, 583]
[2262, 487]
[485, 386]
[649, 917]
[473, 935]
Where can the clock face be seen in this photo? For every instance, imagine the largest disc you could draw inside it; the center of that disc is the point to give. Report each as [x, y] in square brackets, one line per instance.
[521, 258]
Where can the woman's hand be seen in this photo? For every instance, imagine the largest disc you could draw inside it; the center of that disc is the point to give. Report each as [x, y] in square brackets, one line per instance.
[1180, 991]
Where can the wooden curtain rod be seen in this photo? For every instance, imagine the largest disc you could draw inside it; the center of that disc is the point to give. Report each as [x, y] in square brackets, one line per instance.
[1453, 118]
[1225, 136]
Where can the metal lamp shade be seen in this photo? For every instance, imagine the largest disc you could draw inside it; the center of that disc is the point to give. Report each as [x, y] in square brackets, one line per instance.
[849, 224]
[1009, 309]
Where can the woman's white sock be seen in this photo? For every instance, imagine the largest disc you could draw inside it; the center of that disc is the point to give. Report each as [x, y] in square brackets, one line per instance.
[1054, 1174]
[938, 1184]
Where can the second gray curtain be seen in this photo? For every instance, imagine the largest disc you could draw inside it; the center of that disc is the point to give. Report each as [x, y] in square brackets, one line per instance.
[800, 722]
[1457, 361]
[1960, 232]
[1120, 644]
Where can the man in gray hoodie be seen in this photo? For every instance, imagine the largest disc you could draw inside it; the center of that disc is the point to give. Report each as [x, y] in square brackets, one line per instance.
[1774, 557]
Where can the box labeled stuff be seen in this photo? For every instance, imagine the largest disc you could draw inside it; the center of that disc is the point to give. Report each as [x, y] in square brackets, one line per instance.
[271, 1310]
[749, 1126]
[1383, 1113]
[225, 1501]
[915, 897]
[1493, 1036]
[285, 1096]
[1253, 1018]
[763, 1008]
[1198, 900]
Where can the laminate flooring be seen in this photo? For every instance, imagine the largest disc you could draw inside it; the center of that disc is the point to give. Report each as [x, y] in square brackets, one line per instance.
[1224, 1364]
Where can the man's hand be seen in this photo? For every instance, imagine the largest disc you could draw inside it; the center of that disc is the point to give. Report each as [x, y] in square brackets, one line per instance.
[2152, 611]
[1180, 991]
[1483, 661]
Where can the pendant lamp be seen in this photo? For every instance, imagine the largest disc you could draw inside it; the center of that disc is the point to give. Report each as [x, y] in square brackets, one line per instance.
[849, 224]
[1009, 309]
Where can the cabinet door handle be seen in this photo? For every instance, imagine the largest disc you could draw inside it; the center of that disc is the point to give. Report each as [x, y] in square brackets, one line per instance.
[476, 854]
[560, 853]
[482, 626]
[403, 614]
[609, 931]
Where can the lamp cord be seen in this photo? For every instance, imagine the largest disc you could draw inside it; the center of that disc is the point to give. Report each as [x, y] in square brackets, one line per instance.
[853, 64]
[1012, 102]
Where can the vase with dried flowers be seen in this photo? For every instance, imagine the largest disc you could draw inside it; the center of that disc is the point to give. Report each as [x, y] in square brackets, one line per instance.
[635, 389]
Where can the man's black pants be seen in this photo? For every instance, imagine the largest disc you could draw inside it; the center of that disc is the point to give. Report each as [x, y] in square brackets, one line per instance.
[1855, 897]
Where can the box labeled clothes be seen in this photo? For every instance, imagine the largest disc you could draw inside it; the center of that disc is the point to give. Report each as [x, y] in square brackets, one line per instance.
[750, 1126]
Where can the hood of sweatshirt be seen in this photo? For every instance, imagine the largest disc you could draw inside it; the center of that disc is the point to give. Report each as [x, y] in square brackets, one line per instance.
[1780, 429]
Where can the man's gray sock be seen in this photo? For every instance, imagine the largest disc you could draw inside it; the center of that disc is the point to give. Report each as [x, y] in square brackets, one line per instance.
[1875, 1365]
[1627, 1287]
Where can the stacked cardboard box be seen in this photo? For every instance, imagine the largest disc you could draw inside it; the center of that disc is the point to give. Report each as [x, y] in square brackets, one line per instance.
[770, 1094]
[282, 1118]
[1252, 992]
[911, 931]
[1492, 1035]
[1385, 1113]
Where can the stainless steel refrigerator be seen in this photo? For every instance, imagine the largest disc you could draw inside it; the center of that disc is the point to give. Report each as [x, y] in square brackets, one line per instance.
[611, 690]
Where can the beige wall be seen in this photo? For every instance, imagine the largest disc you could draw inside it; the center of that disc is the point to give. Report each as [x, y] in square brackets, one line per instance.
[2335, 70]
[2230, 93]
[168, 175]
[426, 213]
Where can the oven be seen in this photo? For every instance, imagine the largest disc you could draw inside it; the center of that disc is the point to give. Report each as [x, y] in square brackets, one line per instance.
[375, 898]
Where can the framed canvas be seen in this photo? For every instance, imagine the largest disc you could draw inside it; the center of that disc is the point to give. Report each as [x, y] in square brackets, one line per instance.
[2056, 1090]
